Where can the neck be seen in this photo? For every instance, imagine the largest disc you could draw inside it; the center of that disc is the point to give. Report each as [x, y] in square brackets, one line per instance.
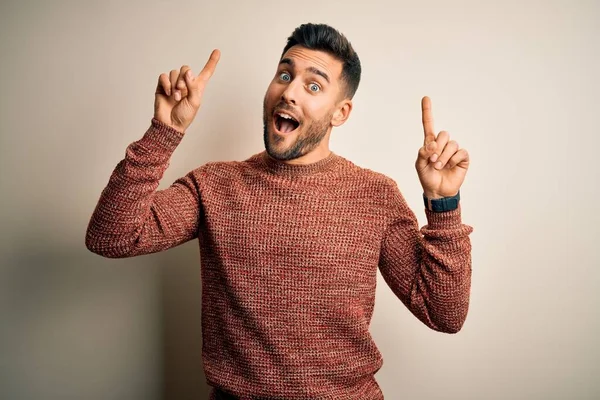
[329, 165]
[309, 158]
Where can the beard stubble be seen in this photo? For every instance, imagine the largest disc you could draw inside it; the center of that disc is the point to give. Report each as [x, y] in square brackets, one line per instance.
[306, 142]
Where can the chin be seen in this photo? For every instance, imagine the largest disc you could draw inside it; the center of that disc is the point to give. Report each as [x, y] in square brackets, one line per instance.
[277, 144]
[281, 153]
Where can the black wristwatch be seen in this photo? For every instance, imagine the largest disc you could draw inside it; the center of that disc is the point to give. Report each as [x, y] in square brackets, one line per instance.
[443, 204]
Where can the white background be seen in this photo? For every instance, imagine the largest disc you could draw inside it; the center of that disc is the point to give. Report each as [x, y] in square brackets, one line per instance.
[514, 82]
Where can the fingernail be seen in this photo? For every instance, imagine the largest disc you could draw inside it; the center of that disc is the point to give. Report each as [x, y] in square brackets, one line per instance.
[434, 157]
[177, 96]
[438, 165]
[189, 74]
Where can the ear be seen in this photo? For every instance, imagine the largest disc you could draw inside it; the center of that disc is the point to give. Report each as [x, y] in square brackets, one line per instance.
[342, 112]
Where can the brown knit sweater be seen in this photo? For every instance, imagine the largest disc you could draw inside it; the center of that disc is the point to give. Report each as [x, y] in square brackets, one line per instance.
[289, 260]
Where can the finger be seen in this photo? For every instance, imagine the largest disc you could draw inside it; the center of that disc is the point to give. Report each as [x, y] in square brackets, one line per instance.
[427, 117]
[178, 85]
[181, 81]
[423, 158]
[440, 142]
[460, 159]
[194, 94]
[449, 150]
[426, 152]
[173, 76]
[164, 85]
[429, 153]
[181, 84]
[176, 90]
[210, 66]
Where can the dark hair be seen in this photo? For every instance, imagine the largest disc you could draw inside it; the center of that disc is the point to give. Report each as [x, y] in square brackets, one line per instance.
[324, 37]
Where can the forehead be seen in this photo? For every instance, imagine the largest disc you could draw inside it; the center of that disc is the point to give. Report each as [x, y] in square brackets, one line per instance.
[305, 58]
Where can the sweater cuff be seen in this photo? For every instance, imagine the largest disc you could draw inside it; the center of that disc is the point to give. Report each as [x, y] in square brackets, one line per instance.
[164, 135]
[444, 220]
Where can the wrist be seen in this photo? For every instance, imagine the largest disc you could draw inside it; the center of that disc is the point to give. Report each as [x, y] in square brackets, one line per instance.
[441, 204]
[171, 125]
[432, 195]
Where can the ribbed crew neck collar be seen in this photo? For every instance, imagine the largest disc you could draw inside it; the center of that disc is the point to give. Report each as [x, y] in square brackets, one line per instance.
[328, 164]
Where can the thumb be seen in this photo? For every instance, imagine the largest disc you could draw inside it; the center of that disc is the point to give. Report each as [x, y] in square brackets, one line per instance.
[425, 152]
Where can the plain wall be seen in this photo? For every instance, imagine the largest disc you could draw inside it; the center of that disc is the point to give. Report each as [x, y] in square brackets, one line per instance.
[515, 83]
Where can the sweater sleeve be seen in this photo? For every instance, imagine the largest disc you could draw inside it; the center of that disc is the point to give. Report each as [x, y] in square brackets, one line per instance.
[428, 269]
[132, 217]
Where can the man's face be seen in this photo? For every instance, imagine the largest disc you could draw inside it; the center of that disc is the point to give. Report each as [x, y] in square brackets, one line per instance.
[303, 102]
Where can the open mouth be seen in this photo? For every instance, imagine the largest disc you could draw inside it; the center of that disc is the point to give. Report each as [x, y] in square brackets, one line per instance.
[285, 123]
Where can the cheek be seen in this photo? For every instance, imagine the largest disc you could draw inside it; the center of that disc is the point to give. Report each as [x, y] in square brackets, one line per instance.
[273, 92]
[317, 110]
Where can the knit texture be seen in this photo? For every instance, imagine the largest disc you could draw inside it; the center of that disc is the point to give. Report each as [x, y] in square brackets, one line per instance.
[289, 259]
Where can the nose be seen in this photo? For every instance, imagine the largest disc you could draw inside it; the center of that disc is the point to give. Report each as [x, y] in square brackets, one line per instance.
[289, 94]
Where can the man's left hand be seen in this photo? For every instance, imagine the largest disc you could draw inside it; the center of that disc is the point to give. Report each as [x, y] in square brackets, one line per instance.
[441, 164]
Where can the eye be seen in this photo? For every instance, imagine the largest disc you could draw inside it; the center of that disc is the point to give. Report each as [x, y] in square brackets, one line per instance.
[284, 76]
[313, 87]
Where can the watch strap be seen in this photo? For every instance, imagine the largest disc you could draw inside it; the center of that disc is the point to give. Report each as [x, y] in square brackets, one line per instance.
[443, 204]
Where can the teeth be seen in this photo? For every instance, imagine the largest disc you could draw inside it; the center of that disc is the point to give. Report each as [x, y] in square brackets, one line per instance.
[282, 115]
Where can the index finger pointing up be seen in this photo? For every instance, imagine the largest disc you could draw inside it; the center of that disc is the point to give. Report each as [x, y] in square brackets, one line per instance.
[210, 66]
[427, 120]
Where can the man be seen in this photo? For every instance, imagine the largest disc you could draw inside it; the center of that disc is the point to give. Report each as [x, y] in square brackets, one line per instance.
[291, 238]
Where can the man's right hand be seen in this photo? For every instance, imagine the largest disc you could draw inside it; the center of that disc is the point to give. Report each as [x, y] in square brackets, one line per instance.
[179, 95]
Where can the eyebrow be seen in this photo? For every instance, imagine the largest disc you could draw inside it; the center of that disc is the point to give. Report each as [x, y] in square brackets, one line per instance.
[313, 70]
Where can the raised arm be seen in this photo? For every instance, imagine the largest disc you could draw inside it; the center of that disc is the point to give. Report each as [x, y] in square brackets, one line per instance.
[132, 217]
[428, 269]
